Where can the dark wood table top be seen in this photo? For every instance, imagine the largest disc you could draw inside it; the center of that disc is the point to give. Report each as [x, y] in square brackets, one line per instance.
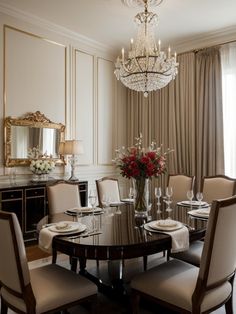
[122, 237]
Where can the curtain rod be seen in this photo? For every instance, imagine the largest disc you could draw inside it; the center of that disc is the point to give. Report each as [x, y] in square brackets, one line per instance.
[211, 46]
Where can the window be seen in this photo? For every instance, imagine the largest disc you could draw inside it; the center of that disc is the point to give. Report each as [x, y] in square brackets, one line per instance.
[228, 59]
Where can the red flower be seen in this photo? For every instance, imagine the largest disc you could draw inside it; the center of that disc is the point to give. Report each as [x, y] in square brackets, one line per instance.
[145, 160]
[151, 155]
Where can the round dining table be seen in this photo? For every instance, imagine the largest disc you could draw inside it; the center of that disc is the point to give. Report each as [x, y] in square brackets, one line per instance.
[111, 236]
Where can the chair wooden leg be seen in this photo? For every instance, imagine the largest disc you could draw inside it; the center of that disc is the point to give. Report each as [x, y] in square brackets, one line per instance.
[229, 306]
[4, 307]
[97, 262]
[135, 298]
[145, 262]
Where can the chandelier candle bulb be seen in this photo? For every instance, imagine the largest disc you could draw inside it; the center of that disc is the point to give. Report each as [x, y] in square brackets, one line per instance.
[123, 55]
[169, 50]
[159, 46]
[131, 43]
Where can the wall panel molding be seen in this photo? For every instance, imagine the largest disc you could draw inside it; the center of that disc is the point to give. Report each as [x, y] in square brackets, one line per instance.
[106, 130]
[34, 75]
[84, 104]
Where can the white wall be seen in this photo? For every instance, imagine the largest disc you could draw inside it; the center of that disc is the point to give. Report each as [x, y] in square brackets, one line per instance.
[69, 80]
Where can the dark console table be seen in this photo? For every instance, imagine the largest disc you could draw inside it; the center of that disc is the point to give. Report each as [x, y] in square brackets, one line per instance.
[29, 201]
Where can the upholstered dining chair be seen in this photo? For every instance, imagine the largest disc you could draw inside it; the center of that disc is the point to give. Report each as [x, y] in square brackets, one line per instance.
[217, 187]
[63, 196]
[180, 184]
[214, 187]
[109, 188]
[46, 289]
[187, 288]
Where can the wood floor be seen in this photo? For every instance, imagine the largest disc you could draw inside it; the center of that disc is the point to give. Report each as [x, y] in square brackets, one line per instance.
[33, 252]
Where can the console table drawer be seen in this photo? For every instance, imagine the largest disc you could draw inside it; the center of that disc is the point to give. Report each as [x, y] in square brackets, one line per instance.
[35, 192]
[11, 195]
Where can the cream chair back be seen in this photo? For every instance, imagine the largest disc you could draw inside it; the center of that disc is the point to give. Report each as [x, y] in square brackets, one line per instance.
[14, 272]
[108, 187]
[218, 260]
[63, 196]
[217, 187]
[180, 184]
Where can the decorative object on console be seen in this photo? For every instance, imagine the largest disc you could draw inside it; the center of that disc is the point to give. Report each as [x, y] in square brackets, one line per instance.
[41, 168]
[72, 148]
[146, 68]
[140, 164]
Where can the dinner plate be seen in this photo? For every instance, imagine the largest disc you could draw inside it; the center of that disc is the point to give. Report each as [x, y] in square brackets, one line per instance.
[127, 200]
[83, 210]
[194, 203]
[71, 227]
[161, 225]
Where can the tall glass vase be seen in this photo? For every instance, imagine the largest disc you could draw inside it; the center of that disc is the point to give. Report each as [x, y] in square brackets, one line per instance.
[141, 196]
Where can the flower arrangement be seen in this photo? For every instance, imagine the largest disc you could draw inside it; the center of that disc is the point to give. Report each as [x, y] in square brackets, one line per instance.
[138, 162]
[42, 166]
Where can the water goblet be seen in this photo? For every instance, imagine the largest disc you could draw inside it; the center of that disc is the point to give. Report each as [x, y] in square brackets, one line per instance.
[199, 197]
[169, 193]
[92, 202]
[158, 194]
[190, 196]
[131, 193]
[106, 203]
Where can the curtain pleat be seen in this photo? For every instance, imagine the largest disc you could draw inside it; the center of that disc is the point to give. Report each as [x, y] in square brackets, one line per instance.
[209, 114]
[185, 116]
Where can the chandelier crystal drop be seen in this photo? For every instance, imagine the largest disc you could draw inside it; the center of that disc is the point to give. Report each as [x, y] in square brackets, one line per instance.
[146, 68]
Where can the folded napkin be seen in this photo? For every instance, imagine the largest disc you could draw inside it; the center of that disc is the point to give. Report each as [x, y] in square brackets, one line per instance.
[180, 239]
[45, 239]
[46, 234]
[203, 211]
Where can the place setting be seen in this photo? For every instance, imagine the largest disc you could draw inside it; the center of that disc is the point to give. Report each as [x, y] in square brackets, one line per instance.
[198, 203]
[177, 230]
[62, 228]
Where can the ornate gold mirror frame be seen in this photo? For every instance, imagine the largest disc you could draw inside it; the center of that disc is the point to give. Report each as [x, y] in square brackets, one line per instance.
[33, 131]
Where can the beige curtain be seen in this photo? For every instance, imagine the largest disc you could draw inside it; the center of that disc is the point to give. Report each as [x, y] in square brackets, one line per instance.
[185, 116]
[168, 117]
[209, 114]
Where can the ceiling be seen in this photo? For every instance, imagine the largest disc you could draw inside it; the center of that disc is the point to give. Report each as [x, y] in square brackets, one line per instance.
[110, 22]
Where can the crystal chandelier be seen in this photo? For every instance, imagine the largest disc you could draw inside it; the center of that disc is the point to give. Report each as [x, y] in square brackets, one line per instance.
[146, 68]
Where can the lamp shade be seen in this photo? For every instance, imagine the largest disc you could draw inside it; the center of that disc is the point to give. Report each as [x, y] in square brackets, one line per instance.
[73, 147]
[61, 148]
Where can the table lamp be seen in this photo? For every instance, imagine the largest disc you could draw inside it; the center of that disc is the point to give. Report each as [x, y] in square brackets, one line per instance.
[72, 148]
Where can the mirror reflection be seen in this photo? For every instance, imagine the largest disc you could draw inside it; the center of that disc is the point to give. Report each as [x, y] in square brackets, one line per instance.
[45, 139]
[31, 137]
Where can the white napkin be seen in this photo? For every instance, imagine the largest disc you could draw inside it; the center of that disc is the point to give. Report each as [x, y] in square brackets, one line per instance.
[45, 239]
[180, 239]
[46, 235]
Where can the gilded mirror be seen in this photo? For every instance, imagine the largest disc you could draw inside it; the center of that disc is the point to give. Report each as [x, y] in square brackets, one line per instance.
[32, 136]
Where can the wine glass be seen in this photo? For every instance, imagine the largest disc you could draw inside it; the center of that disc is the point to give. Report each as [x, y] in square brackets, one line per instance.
[92, 202]
[158, 194]
[169, 193]
[131, 193]
[106, 200]
[190, 196]
[199, 197]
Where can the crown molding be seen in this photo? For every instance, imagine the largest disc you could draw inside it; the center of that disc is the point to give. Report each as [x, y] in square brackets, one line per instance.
[205, 40]
[60, 30]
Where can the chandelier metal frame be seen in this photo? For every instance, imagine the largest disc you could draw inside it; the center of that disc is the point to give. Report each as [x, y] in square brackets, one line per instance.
[146, 68]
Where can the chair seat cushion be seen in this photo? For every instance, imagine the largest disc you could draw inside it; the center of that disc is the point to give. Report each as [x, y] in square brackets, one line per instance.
[192, 255]
[54, 286]
[174, 282]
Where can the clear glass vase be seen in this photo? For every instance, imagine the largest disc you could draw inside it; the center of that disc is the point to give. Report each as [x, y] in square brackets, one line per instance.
[141, 196]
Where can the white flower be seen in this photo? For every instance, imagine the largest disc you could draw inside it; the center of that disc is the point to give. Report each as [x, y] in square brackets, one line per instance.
[41, 166]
